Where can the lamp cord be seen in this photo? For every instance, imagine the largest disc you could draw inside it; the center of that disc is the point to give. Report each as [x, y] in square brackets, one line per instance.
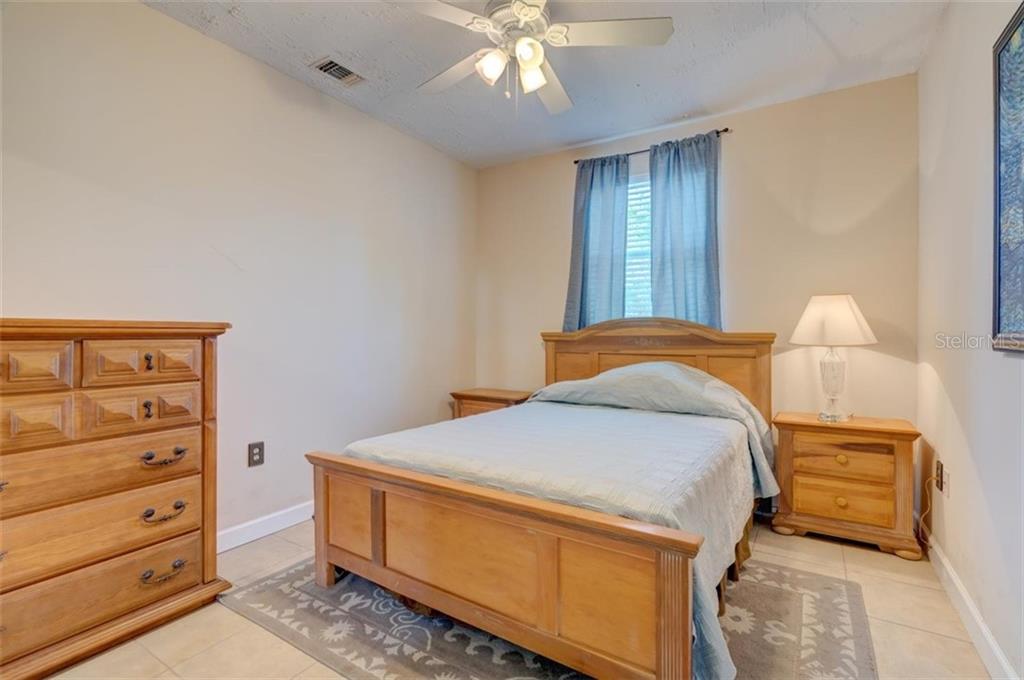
[921, 535]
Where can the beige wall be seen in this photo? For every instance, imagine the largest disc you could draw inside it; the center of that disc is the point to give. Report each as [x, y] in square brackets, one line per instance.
[970, 402]
[150, 172]
[818, 195]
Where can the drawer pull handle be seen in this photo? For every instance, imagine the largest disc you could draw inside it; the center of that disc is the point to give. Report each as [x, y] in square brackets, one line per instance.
[149, 361]
[149, 458]
[841, 502]
[842, 459]
[3, 554]
[148, 407]
[149, 514]
[3, 485]
[149, 576]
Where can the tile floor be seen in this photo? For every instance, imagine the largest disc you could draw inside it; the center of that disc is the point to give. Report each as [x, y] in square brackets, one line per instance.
[915, 630]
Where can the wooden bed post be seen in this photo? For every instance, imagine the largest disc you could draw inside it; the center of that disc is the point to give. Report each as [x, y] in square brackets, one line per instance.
[675, 615]
[321, 501]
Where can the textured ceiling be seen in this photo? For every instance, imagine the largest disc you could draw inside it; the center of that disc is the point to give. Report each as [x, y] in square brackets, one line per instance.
[723, 56]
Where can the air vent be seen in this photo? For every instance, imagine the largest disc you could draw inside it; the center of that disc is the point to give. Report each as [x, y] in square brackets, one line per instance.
[338, 72]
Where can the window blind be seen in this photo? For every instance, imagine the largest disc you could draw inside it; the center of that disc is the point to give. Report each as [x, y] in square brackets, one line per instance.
[638, 248]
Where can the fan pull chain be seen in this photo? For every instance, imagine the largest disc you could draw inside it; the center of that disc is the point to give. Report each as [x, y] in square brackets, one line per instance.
[508, 93]
[515, 87]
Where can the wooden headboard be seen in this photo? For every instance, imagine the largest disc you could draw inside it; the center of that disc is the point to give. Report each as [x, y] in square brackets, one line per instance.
[744, 360]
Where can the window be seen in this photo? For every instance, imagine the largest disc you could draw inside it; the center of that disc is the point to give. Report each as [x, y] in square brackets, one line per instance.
[638, 247]
[645, 236]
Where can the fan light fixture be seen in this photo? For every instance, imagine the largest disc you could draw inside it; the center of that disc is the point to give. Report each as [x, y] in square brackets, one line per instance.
[529, 53]
[492, 65]
[532, 79]
[522, 30]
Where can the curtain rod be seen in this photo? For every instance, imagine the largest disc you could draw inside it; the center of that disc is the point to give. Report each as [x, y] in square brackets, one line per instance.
[718, 132]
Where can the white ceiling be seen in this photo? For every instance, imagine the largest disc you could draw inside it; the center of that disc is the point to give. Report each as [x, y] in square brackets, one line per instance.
[724, 56]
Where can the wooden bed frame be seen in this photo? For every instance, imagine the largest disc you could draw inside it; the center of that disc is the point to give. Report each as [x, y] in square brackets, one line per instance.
[608, 596]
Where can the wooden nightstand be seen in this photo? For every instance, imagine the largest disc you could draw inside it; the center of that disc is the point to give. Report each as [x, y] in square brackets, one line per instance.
[482, 399]
[853, 479]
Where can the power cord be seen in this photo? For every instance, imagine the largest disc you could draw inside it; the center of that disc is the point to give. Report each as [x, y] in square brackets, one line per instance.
[922, 536]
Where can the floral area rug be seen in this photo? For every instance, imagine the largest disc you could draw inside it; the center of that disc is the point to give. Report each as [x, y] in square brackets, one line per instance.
[780, 623]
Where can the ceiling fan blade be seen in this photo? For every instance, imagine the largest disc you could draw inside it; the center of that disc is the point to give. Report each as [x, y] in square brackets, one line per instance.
[553, 95]
[450, 13]
[446, 79]
[612, 33]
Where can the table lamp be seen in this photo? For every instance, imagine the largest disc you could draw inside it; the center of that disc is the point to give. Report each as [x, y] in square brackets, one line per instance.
[832, 321]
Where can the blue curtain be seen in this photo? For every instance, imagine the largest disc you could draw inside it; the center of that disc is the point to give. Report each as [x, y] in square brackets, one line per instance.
[597, 270]
[684, 230]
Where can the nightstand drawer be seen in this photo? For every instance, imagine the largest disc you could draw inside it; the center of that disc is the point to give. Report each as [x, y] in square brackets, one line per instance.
[471, 408]
[483, 399]
[872, 504]
[847, 456]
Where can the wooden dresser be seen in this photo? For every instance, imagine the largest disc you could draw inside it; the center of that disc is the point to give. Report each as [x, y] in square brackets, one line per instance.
[108, 451]
[853, 479]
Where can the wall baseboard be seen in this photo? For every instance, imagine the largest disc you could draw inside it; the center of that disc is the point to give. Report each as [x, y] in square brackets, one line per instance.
[996, 662]
[232, 537]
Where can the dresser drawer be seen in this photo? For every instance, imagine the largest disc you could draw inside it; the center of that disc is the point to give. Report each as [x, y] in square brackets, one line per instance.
[41, 479]
[849, 456]
[102, 412]
[34, 420]
[129, 362]
[27, 366]
[49, 542]
[873, 504]
[33, 617]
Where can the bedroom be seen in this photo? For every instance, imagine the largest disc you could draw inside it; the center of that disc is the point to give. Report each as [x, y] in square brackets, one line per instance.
[376, 248]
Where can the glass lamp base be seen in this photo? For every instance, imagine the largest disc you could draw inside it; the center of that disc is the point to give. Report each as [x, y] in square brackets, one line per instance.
[833, 379]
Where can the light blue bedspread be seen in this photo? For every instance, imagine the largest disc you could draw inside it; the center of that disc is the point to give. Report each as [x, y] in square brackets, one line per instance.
[658, 442]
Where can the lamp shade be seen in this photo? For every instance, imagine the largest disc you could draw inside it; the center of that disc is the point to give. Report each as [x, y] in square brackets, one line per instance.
[532, 79]
[832, 321]
[491, 66]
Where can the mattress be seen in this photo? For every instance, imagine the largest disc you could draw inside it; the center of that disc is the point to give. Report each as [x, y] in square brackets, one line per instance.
[654, 467]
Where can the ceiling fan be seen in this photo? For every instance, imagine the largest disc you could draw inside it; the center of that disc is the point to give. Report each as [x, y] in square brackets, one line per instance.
[519, 29]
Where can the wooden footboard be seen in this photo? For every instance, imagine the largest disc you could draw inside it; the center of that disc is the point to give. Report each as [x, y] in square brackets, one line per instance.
[608, 596]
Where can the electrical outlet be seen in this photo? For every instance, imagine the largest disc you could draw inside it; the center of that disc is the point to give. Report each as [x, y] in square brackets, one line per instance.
[257, 454]
[940, 475]
[945, 482]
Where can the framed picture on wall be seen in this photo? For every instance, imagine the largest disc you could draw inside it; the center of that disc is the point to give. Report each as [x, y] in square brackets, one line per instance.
[1008, 81]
